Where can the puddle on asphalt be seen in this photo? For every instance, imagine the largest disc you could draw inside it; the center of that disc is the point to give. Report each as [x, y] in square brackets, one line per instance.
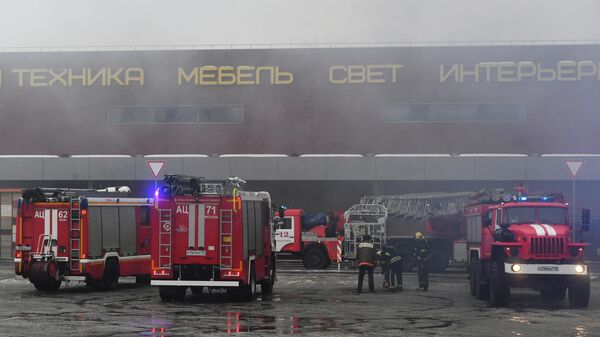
[238, 322]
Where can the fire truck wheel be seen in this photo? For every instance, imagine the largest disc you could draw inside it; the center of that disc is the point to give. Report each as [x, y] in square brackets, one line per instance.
[554, 293]
[482, 289]
[110, 277]
[49, 285]
[172, 293]
[472, 278]
[266, 286]
[315, 258]
[197, 290]
[249, 291]
[579, 291]
[499, 289]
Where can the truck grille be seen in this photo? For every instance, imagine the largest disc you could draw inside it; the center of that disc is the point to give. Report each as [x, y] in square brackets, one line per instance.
[547, 247]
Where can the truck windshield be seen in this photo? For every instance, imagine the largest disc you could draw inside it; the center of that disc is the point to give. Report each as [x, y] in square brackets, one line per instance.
[545, 215]
[519, 215]
[552, 215]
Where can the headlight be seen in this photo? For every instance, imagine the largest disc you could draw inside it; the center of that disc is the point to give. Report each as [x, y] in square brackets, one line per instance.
[579, 268]
[517, 268]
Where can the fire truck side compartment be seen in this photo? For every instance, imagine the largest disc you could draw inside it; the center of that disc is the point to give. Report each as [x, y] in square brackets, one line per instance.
[110, 228]
[127, 230]
[251, 227]
[258, 229]
[474, 228]
[95, 231]
[245, 229]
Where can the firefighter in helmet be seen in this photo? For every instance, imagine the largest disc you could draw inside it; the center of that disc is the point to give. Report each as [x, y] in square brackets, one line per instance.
[366, 262]
[421, 255]
[391, 267]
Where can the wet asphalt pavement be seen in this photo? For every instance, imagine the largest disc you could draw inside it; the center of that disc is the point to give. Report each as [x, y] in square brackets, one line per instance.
[319, 304]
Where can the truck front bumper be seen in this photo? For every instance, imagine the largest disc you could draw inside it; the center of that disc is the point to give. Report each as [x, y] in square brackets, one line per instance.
[185, 283]
[545, 269]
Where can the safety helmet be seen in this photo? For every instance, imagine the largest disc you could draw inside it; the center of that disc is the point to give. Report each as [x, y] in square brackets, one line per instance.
[418, 235]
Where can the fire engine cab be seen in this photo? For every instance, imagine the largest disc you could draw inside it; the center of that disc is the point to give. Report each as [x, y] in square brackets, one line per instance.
[211, 235]
[525, 241]
[317, 239]
[74, 235]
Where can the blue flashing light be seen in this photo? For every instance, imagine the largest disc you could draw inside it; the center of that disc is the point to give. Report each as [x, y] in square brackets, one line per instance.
[545, 198]
[523, 198]
[156, 192]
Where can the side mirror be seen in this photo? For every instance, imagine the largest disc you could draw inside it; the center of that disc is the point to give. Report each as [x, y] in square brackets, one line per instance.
[585, 216]
[487, 222]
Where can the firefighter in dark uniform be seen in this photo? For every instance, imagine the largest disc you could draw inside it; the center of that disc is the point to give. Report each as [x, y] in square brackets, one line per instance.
[385, 256]
[366, 262]
[395, 270]
[422, 260]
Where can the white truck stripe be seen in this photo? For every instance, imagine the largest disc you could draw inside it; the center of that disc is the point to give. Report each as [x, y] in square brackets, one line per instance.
[54, 224]
[539, 230]
[551, 231]
[191, 225]
[47, 222]
[201, 211]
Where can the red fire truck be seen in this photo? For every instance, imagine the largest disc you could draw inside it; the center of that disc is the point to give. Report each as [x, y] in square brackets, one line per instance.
[525, 241]
[317, 243]
[211, 235]
[70, 235]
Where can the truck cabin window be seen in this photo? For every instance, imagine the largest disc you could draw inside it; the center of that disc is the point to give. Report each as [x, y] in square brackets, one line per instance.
[545, 215]
[552, 215]
[516, 215]
[287, 223]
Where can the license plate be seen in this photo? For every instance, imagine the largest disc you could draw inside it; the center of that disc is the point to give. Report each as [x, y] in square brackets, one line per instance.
[195, 253]
[547, 268]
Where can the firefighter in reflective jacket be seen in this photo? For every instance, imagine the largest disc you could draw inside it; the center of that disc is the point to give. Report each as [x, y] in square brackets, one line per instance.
[366, 262]
[422, 260]
[391, 267]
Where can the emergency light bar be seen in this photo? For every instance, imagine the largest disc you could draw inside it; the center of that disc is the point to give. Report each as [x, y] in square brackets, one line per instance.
[545, 198]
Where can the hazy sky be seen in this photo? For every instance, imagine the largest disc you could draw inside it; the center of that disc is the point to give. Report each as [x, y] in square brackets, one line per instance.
[196, 22]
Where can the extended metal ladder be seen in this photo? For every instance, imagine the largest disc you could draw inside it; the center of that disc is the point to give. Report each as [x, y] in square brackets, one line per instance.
[164, 239]
[421, 205]
[226, 223]
[75, 232]
[361, 220]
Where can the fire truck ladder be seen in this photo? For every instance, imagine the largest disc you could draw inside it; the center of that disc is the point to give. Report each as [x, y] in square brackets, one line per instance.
[225, 256]
[421, 205]
[75, 232]
[164, 239]
[361, 220]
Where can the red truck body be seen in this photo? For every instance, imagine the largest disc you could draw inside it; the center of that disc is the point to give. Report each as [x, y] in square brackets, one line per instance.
[73, 237]
[525, 242]
[214, 237]
[318, 246]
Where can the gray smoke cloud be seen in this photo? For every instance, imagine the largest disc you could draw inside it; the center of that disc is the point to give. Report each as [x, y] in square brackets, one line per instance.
[190, 22]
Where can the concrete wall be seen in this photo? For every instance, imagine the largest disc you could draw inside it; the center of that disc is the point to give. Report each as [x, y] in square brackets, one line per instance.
[304, 168]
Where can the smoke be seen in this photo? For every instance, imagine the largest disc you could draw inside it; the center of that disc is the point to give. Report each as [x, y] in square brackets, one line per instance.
[188, 22]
